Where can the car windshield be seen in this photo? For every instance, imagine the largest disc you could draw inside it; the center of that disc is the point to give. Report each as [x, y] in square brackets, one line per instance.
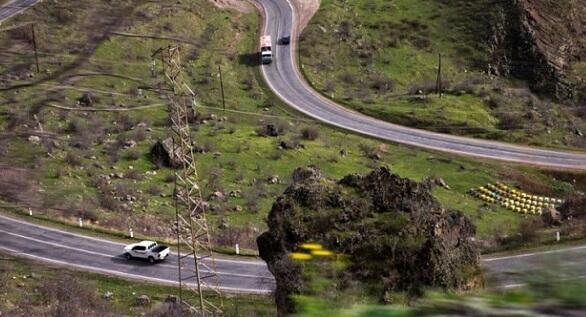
[152, 245]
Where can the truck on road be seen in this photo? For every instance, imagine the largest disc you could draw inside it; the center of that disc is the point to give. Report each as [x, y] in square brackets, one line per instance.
[266, 50]
[148, 250]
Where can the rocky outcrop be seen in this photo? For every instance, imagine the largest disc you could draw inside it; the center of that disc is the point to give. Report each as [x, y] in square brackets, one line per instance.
[538, 41]
[394, 231]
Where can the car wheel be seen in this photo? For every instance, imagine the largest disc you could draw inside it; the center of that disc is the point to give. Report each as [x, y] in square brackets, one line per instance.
[151, 260]
[128, 256]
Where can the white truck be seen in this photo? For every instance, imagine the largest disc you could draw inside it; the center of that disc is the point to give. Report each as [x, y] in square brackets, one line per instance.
[148, 250]
[266, 51]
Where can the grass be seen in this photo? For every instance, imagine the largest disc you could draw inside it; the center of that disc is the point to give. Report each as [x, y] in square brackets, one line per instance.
[22, 280]
[237, 155]
[381, 58]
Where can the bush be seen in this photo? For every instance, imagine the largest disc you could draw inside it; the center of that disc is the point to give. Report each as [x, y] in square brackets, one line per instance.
[169, 178]
[309, 133]
[271, 128]
[73, 159]
[154, 190]
[134, 174]
[381, 84]
[132, 155]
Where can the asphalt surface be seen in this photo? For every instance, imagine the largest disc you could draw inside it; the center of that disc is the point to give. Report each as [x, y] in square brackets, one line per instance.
[103, 256]
[284, 79]
[239, 276]
[77, 251]
[15, 6]
[545, 267]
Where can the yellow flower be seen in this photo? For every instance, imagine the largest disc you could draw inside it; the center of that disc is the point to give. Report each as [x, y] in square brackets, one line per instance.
[300, 256]
[311, 246]
[322, 253]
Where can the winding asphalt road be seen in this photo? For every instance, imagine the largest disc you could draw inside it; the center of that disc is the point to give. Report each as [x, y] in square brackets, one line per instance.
[103, 256]
[285, 80]
[15, 6]
[91, 254]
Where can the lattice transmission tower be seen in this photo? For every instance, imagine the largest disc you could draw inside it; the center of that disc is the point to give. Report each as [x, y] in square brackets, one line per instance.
[196, 264]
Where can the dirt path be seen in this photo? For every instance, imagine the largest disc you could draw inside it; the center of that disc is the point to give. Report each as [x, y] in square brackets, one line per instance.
[306, 9]
[238, 5]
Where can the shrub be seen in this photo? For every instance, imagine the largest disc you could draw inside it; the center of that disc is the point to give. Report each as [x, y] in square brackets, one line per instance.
[134, 174]
[169, 178]
[73, 159]
[309, 133]
[382, 84]
[132, 155]
[348, 78]
[154, 190]
[108, 202]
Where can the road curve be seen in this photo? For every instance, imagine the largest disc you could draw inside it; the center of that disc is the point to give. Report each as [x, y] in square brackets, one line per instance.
[284, 78]
[66, 249]
[104, 256]
[15, 6]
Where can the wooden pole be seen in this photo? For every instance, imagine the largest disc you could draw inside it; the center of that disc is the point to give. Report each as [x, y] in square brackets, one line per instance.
[438, 84]
[35, 47]
[222, 87]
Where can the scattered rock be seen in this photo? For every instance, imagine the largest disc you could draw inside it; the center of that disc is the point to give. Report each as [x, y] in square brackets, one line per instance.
[86, 100]
[375, 156]
[223, 224]
[551, 216]
[290, 144]
[238, 208]
[129, 144]
[217, 195]
[34, 139]
[163, 154]
[343, 153]
[171, 299]
[143, 300]
[442, 183]
[274, 179]
[108, 295]
[235, 193]
[579, 133]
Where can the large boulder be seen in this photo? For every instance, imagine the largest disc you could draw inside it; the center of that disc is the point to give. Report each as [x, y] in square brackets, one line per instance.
[394, 231]
[165, 153]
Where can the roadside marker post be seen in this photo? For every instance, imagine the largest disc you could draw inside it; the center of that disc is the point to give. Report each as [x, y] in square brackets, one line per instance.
[237, 249]
[557, 236]
[80, 222]
[131, 233]
[30, 212]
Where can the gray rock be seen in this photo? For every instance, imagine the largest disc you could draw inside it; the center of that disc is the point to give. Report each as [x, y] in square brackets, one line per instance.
[143, 300]
[34, 139]
[108, 295]
[274, 179]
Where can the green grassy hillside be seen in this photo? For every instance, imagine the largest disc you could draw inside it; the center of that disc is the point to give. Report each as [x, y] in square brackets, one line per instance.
[381, 58]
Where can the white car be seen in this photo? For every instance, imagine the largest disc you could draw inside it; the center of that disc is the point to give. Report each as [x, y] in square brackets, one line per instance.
[148, 250]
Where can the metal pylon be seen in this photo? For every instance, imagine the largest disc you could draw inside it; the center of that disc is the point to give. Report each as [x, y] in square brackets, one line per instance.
[196, 265]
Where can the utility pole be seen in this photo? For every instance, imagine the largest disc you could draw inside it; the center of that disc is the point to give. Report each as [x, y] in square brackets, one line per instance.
[190, 220]
[35, 47]
[222, 87]
[438, 83]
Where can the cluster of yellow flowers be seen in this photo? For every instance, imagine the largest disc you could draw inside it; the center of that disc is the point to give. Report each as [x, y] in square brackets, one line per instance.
[310, 250]
[514, 199]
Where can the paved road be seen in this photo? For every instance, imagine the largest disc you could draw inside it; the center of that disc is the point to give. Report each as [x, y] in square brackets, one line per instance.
[285, 80]
[240, 276]
[104, 256]
[15, 6]
[546, 266]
